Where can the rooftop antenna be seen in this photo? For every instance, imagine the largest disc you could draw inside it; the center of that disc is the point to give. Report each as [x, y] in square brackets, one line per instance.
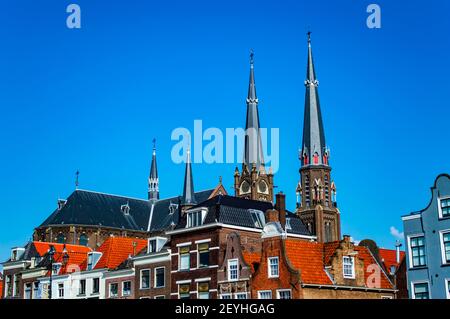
[77, 183]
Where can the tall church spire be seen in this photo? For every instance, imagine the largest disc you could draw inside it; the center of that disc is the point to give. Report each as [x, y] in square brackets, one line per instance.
[153, 179]
[314, 151]
[188, 190]
[253, 182]
[316, 192]
[253, 152]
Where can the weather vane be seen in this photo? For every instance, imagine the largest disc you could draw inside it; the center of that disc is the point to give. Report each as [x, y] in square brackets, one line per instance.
[252, 54]
[154, 143]
[77, 174]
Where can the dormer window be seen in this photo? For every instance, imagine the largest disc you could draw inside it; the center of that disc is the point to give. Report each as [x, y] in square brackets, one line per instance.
[152, 245]
[61, 203]
[16, 253]
[125, 209]
[195, 218]
[173, 208]
[257, 218]
[56, 269]
[93, 258]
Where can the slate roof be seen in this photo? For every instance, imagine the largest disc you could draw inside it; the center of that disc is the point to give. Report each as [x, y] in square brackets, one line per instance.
[90, 208]
[237, 212]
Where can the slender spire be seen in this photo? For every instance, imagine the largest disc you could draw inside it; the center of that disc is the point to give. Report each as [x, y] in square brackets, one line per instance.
[253, 152]
[77, 182]
[188, 191]
[153, 180]
[314, 149]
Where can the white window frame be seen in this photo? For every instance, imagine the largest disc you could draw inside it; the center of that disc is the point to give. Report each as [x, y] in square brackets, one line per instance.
[413, 283]
[92, 288]
[447, 287]
[202, 212]
[198, 254]
[269, 268]
[409, 238]
[284, 290]
[179, 258]
[228, 295]
[59, 290]
[109, 290]
[264, 291]
[242, 294]
[154, 277]
[79, 288]
[353, 274]
[441, 216]
[441, 240]
[30, 290]
[123, 288]
[149, 279]
[228, 269]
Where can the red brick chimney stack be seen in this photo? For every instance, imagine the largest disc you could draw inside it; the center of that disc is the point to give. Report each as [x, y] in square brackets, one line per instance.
[280, 206]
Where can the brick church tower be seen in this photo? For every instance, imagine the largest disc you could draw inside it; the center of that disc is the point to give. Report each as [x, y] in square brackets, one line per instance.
[316, 192]
[253, 182]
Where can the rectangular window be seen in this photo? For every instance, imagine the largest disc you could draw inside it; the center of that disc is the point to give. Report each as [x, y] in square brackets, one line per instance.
[113, 290]
[203, 290]
[233, 270]
[446, 247]
[36, 290]
[8, 288]
[265, 294]
[185, 258]
[284, 294]
[27, 293]
[445, 207]
[273, 267]
[16, 285]
[145, 279]
[152, 246]
[421, 291]
[241, 295]
[448, 288]
[225, 296]
[82, 288]
[126, 288]
[61, 290]
[349, 267]
[417, 245]
[160, 277]
[95, 285]
[194, 219]
[160, 297]
[184, 291]
[203, 255]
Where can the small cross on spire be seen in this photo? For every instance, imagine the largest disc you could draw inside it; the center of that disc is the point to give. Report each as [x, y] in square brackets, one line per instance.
[154, 143]
[309, 36]
[252, 54]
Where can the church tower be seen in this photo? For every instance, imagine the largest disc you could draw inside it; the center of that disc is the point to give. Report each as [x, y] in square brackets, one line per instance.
[153, 180]
[316, 192]
[188, 199]
[253, 182]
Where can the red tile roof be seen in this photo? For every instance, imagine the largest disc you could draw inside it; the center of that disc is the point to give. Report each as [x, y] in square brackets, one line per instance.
[115, 250]
[77, 255]
[367, 257]
[308, 258]
[42, 248]
[389, 257]
[312, 257]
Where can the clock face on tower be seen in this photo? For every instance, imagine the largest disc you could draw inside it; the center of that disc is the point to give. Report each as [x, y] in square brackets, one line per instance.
[262, 187]
[245, 187]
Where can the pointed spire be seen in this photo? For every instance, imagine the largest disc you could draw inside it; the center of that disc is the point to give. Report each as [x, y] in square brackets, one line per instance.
[188, 191]
[253, 152]
[153, 180]
[314, 148]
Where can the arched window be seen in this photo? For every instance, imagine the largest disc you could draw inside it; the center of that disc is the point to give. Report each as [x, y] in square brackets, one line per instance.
[61, 239]
[84, 240]
[316, 159]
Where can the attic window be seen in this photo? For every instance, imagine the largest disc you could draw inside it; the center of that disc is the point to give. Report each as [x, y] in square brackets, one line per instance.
[288, 224]
[125, 209]
[61, 203]
[173, 208]
[257, 218]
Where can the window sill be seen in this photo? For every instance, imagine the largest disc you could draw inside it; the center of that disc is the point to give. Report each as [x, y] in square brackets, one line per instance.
[418, 268]
[446, 265]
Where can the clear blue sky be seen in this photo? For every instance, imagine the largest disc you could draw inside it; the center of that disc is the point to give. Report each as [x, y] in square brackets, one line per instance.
[93, 99]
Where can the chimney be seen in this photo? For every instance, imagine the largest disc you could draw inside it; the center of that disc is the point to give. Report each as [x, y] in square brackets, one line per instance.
[271, 216]
[398, 244]
[280, 206]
